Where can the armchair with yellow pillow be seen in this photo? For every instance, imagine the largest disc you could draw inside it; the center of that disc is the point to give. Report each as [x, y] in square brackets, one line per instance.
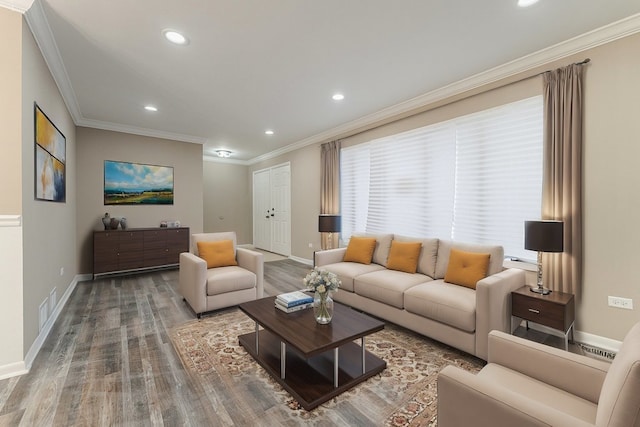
[450, 291]
[217, 274]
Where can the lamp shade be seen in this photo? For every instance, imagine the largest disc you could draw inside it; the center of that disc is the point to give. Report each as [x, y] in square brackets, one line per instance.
[544, 236]
[329, 223]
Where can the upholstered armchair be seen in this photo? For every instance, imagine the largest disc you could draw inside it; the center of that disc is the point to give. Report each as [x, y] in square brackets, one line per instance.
[531, 384]
[217, 274]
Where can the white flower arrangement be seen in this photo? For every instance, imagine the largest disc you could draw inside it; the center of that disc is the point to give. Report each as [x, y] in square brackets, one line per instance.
[321, 281]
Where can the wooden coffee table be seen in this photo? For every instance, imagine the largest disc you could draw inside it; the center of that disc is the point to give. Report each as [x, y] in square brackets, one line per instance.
[313, 362]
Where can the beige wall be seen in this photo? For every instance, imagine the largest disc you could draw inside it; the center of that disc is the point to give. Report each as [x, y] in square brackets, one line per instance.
[227, 199]
[95, 146]
[49, 228]
[10, 116]
[612, 188]
[11, 323]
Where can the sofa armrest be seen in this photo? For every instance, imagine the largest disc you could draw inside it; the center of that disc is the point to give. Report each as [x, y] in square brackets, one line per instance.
[576, 374]
[254, 262]
[464, 399]
[493, 305]
[192, 281]
[329, 256]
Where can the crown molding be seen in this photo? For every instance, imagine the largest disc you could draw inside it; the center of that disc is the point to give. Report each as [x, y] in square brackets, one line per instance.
[116, 127]
[216, 159]
[17, 5]
[597, 37]
[39, 26]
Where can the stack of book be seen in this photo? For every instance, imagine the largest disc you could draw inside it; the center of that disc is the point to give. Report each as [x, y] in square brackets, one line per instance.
[293, 301]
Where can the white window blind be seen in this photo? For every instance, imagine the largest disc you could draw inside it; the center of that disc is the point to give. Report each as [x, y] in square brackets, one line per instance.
[476, 179]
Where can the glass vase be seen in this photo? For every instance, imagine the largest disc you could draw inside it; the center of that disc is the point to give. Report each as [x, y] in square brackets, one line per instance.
[322, 307]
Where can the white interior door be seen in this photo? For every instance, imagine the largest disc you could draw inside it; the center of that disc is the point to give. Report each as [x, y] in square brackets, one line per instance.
[272, 209]
[280, 207]
[261, 209]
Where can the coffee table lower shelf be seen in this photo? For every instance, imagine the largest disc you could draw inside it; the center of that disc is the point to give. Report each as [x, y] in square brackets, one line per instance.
[311, 381]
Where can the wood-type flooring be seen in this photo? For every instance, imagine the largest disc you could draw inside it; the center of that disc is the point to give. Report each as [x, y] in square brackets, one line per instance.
[109, 361]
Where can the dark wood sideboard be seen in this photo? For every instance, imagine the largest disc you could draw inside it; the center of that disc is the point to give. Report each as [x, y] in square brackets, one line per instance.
[136, 249]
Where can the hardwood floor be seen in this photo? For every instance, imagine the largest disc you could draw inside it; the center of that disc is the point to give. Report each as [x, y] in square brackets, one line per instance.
[109, 360]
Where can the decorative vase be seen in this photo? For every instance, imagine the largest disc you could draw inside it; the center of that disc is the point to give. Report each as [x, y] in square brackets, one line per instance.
[323, 307]
[106, 221]
[123, 223]
[114, 223]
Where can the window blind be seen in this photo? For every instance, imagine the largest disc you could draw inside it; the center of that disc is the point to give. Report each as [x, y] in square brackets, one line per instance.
[476, 178]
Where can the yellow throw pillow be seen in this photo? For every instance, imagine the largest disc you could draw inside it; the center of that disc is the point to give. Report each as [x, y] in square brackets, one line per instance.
[360, 249]
[466, 268]
[403, 256]
[217, 254]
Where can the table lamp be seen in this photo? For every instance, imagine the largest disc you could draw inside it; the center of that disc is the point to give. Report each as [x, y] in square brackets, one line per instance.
[543, 236]
[329, 224]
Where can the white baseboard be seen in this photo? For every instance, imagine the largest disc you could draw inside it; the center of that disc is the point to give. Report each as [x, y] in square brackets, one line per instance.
[12, 370]
[302, 260]
[44, 333]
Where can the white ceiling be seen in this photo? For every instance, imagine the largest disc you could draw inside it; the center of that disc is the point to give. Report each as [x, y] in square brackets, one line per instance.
[253, 65]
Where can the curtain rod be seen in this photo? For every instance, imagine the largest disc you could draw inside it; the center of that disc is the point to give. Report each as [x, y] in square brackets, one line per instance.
[584, 61]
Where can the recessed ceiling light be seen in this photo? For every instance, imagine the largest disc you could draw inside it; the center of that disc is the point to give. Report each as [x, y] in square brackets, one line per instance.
[150, 108]
[175, 37]
[223, 153]
[268, 132]
[338, 97]
[526, 3]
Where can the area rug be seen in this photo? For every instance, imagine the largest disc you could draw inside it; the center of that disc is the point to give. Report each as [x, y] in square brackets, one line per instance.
[404, 394]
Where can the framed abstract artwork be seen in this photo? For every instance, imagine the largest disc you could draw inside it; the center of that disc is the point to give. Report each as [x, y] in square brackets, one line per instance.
[50, 159]
[137, 184]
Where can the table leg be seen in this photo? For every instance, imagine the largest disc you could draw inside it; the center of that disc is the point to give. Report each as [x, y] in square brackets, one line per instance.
[283, 359]
[257, 333]
[363, 355]
[335, 367]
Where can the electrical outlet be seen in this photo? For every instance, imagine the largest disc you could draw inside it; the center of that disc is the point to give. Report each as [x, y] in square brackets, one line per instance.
[311, 245]
[62, 271]
[619, 302]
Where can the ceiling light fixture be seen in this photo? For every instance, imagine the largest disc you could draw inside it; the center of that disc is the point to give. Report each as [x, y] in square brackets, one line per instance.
[223, 153]
[268, 132]
[526, 3]
[338, 97]
[150, 108]
[175, 37]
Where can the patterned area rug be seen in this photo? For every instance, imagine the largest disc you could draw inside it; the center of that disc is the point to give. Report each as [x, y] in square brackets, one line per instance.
[404, 394]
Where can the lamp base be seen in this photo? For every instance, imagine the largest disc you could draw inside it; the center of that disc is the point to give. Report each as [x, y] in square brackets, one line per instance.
[540, 290]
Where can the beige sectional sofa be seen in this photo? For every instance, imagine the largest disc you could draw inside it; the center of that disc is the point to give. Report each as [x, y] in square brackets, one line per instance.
[423, 302]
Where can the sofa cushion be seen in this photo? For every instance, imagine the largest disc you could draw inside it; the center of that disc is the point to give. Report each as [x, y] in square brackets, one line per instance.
[383, 244]
[360, 249]
[444, 248]
[403, 256]
[387, 286]
[428, 254]
[444, 302]
[217, 254]
[346, 271]
[619, 404]
[466, 268]
[228, 279]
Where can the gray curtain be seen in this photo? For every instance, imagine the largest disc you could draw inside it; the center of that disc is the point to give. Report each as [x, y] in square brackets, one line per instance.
[330, 188]
[562, 175]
